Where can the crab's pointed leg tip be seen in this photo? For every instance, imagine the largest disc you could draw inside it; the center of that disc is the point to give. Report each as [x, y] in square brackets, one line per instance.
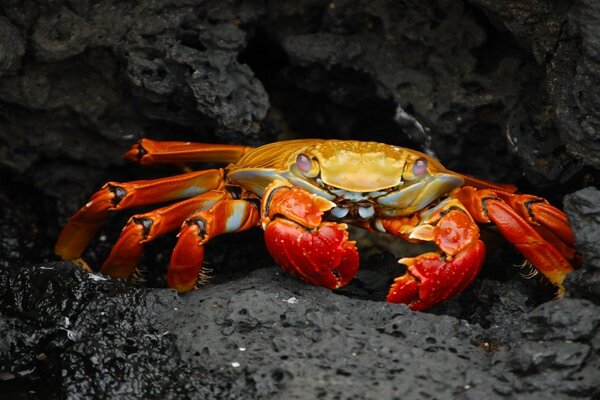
[84, 266]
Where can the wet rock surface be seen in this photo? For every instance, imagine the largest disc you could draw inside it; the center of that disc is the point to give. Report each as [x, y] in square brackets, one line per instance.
[502, 90]
[269, 335]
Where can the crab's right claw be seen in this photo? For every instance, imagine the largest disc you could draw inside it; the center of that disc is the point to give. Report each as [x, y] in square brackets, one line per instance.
[318, 252]
[323, 256]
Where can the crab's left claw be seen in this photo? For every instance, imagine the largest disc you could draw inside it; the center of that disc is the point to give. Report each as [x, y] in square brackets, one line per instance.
[433, 277]
[318, 252]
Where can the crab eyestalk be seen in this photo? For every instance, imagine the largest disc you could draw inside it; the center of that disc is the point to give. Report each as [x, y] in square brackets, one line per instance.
[318, 252]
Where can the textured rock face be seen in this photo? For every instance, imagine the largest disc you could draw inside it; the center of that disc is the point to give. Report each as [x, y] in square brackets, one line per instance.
[97, 76]
[484, 85]
[277, 337]
[564, 41]
[583, 208]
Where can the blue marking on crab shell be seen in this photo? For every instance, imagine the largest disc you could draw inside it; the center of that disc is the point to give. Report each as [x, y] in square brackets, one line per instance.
[235, 220]
[307, 185]
[416, 196]
[404, 197]
[192, 191]
[254, 180]
[207, 205]
[348, 195]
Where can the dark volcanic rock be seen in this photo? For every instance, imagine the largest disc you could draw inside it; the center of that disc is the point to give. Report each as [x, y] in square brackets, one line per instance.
[97, 76]
[583, 209]
[96, 338]
[574, 72]
[563, 38]
[12, 47]
[268, 335]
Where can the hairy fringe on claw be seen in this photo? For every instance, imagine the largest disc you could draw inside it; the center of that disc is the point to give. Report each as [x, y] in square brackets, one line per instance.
[138, 276]
[204, 275]
[531, 272]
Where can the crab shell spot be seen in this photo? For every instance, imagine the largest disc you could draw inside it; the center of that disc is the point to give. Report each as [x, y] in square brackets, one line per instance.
[361, 172]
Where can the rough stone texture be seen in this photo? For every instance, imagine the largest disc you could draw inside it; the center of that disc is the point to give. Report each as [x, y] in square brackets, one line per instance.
[484, 85]
[271, 336]
[563, 38]
[583, 209]
[12, 47]
[98, 75]
[576, 103]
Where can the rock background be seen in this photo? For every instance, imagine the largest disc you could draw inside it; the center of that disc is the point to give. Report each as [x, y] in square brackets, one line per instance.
[505, 90]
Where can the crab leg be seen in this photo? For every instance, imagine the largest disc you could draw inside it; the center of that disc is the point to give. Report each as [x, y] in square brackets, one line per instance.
[538, 230]
[148, 151]
[547, 220]
[318, 252]
[433, 277]
[185, 268]
[143, 228]
[84, 224]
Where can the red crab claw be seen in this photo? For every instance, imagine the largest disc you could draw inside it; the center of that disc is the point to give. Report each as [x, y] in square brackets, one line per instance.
[323, 257]
[436, 276]
[318, 252]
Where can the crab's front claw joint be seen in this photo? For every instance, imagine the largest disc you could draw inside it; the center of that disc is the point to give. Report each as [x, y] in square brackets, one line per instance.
[436, 276]
[323, 256]
[293, 203]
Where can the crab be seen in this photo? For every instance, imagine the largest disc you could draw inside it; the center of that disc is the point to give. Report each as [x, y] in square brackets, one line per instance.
[303, 194]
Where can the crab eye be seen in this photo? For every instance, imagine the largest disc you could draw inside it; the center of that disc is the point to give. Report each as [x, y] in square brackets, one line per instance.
[420, 166]
[303, 163]
[306, 165]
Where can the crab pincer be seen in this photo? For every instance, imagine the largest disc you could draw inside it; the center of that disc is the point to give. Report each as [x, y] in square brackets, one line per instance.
[435, 276]
[318, 252]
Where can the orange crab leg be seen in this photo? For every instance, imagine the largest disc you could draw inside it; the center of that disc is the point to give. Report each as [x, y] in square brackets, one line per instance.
[148, 151]
[435, 276]
[143, 228]
[538, 230]
[84, 224]
[539, 213]
[318, 252]
[185, 268]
